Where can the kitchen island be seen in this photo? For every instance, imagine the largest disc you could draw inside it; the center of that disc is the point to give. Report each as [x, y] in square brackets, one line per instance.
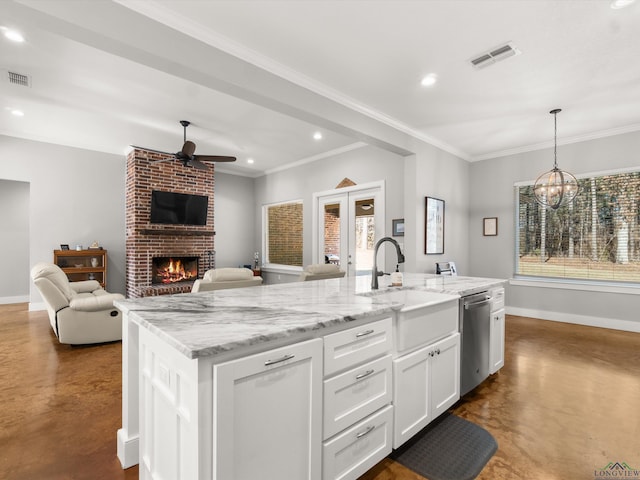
[190, 404]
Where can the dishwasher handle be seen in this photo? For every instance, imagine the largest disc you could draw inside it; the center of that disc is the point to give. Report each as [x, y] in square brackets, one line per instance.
[474, 305]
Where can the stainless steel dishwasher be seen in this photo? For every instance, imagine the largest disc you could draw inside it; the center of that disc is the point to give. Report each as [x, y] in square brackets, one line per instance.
[475, 322]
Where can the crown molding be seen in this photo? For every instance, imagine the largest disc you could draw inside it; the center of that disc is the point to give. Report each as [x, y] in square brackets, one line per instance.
[320, 156]
[565, 141]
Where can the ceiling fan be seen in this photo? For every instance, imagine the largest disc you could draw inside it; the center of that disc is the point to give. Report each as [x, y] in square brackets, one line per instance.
[186, 155]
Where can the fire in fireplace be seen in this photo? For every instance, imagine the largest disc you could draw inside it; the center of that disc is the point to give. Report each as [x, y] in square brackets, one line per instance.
[174, 269]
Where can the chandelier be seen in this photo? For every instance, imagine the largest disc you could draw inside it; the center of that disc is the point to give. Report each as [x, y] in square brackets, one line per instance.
[555, 188]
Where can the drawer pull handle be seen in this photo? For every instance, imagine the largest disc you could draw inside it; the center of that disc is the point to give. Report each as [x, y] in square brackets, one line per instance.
[283, 359]
[368, 430]
[366, 332]
[365, 374]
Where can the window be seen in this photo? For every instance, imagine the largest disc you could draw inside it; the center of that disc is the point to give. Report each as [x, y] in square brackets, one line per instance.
[597, 237]
[282, 233]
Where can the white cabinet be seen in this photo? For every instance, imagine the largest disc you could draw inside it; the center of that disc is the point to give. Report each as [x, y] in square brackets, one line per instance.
[268, 415]
[358, 448]
[496, 335]
[356, 393]
[349, 347]
[357, 418]
[426, 383]
[496, 330]
[445, 374]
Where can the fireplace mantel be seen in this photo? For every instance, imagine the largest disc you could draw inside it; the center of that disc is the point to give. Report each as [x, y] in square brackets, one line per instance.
[173, 231]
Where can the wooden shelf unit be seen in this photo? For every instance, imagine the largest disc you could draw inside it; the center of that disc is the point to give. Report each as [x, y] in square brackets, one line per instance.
[77, 264]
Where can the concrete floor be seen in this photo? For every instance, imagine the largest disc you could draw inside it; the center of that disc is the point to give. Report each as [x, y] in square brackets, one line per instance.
[566, 404]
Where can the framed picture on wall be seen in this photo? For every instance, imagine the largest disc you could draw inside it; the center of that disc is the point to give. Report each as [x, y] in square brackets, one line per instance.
[433, 226]
[490, 226]
[398, 227]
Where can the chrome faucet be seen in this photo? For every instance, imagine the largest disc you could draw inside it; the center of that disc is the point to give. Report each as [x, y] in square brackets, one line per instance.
[375, 273]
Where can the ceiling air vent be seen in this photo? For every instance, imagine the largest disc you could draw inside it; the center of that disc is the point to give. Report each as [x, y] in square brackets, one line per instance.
[494, 55]
[18, 79]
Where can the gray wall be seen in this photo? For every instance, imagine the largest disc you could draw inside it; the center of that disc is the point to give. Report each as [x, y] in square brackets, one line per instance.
[14, 241]
[492, 195]
[434, 173]
[76, 197]
[234, 206]
[363, 165]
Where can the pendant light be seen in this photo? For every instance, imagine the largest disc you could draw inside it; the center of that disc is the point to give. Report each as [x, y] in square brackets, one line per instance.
[555, 188]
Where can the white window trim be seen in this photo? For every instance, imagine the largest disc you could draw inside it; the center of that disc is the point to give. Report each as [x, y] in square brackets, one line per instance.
[569, 283]
[601, 173]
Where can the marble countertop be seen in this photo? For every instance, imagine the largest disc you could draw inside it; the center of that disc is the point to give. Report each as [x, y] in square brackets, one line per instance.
[210, 323]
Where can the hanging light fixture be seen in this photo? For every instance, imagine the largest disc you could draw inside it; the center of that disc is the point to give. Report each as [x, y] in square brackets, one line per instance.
[556, 187]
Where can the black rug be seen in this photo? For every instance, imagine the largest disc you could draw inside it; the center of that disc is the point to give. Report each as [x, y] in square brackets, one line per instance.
[449, 448]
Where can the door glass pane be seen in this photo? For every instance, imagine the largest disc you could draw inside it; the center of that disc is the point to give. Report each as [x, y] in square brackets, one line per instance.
[364, 235]
[332, 233]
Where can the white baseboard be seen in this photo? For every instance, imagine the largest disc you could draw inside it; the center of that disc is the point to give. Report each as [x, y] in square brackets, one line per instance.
[15, 299]
[37, 306]
[612, 323]
[127, 449]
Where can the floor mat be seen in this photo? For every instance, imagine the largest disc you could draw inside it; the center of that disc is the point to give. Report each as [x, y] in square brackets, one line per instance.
[449, 448]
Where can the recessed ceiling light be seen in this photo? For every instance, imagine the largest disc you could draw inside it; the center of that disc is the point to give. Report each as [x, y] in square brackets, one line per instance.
[617, 4]
[249, 160]
[17, 113]
[13, 35]
[317, 136]
[429, 80]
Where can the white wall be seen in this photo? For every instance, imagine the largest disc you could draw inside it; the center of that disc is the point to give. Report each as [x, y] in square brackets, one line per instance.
[234, 207]
[76, 197]
[492, 195]
[364, 165]
[14, 241]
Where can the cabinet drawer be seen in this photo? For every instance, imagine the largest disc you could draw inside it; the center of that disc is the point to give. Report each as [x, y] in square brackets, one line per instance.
[350, 454]
[497, 299]
[356, 393]
[347, 348]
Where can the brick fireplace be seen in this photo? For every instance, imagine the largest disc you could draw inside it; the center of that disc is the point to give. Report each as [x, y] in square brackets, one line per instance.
[146, 241]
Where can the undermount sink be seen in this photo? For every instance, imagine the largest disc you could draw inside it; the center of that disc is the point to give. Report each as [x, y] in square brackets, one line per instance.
[421, 317]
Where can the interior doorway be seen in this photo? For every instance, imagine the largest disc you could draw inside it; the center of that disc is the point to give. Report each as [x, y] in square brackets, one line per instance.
[14, 241]
[349, 220]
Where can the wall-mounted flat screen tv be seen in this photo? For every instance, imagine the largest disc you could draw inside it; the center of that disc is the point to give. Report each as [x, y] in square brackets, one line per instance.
[178, 208]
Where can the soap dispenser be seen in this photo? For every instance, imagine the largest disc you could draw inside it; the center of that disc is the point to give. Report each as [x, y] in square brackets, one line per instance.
[396, 278]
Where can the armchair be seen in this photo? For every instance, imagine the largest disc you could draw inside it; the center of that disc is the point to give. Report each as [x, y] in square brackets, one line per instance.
[320, 271]
[222, 278]
[79, 312]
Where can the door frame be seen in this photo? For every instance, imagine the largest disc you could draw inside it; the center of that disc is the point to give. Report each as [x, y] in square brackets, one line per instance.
[380, 229]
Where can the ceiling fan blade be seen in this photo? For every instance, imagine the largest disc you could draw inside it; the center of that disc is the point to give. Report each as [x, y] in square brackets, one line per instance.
[197, 164]
[214, 158]
[152, 150]
[188, 148]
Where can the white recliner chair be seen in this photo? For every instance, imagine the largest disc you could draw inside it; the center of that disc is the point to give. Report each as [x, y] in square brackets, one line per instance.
[79, 312]
[320, 271]
[221, 278]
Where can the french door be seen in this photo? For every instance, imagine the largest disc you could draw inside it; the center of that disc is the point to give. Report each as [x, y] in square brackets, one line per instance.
[349, 222]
